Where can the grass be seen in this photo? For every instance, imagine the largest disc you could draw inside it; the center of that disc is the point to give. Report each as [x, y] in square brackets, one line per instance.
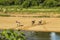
[42, 16]
[16, 9]
[19, 9]
[4, 15]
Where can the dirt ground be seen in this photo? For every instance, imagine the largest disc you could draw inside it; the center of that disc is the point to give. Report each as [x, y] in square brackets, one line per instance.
[25, 23]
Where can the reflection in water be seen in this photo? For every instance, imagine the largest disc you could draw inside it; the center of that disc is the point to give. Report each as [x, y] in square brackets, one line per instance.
[30, 35]
[57, 36]
[42, 35]
[53, 36]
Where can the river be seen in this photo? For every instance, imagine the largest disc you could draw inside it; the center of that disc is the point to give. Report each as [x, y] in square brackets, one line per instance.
[32, 35]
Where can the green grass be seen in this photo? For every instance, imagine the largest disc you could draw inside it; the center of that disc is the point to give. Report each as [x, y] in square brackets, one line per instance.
[19, 9]
[4, 15]
[42, 16]
[11, 9]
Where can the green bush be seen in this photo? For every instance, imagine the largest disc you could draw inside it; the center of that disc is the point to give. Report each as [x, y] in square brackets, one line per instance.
[50, 3]
[11, 35]
[31, 3]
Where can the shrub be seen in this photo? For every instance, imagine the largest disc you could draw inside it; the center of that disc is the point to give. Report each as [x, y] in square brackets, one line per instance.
[11, 35]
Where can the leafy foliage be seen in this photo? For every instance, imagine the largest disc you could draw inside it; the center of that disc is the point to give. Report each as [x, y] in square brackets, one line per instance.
[50, 3]
[30, 3]
[11, 35]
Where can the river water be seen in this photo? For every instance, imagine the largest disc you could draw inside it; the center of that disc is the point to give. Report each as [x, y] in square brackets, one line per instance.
[30, 35]
[37, 36]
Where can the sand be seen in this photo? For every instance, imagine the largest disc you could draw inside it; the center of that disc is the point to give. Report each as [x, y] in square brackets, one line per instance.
[51, 24]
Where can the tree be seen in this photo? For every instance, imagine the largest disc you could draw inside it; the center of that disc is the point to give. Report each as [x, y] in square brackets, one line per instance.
[50, 3]
[25, 4]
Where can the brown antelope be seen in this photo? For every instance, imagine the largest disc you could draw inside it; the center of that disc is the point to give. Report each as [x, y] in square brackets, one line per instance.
[40, 22]
[33, 22]
[18, 23]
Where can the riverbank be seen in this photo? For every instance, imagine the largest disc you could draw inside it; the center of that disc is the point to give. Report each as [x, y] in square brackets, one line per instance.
[52, 24]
